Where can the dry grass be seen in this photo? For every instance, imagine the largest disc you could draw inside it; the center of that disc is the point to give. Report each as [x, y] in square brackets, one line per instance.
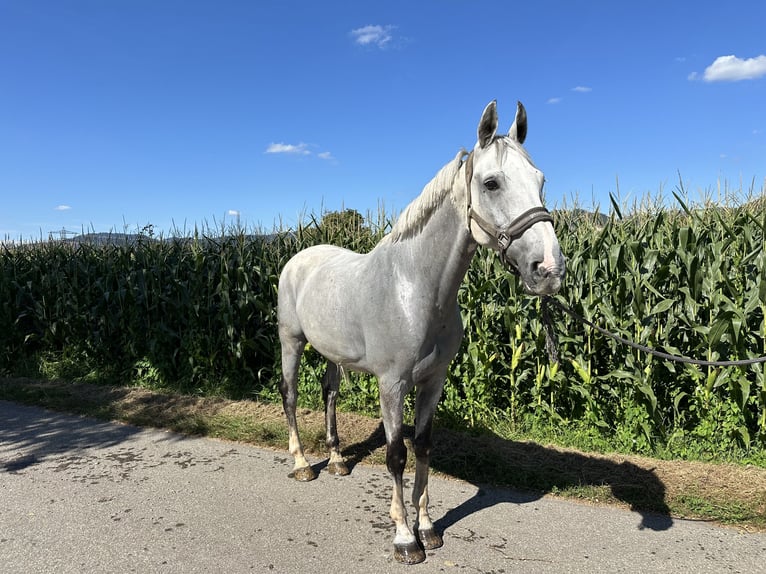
[659, 489]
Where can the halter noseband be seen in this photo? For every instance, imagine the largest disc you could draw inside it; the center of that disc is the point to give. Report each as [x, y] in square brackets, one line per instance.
[509, 234]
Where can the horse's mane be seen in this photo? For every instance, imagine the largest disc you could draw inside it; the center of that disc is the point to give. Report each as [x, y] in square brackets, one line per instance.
[416, 214]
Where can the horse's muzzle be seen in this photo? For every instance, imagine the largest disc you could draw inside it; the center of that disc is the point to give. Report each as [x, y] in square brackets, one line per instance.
[543, 279]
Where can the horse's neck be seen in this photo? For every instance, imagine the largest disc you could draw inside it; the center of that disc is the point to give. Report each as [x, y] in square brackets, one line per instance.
[438, 257]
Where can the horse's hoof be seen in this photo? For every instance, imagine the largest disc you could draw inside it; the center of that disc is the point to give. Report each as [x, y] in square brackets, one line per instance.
[430, 539]
[303, 474]
[338, 469]
[409, 553]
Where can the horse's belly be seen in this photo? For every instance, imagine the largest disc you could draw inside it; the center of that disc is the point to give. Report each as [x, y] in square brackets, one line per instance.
[346, 355]
[331, 329]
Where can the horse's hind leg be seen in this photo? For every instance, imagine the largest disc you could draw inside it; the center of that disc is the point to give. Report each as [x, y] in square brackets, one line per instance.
[292, 349]
[330, 388]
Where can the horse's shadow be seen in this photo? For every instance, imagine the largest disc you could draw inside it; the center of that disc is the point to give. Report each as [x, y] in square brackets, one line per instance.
[532, 471]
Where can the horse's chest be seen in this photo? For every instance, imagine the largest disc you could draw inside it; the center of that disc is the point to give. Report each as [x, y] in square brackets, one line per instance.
[438, 347]
[428, 364]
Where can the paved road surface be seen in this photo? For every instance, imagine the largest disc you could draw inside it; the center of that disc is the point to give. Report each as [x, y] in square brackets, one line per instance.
[78, 495]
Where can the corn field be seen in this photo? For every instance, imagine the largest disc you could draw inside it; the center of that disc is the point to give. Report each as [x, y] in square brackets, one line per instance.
[197, 315]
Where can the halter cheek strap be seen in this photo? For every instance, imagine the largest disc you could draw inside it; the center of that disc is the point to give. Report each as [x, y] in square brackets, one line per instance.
[516, 229]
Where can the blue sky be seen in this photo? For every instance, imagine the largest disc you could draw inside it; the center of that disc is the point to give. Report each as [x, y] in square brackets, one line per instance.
[115, 114]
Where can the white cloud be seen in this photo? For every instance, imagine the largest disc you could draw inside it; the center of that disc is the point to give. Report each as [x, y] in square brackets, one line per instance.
[233, 212]
[733, 69]
[554, 100]
[62, 208]
[299, 149]
[582, 89]
[376, 35]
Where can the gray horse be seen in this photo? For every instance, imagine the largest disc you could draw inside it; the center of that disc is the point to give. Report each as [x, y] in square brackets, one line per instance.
[393, 312]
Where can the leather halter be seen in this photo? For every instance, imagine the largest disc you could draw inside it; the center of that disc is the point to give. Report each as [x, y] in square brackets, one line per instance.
[504, 236]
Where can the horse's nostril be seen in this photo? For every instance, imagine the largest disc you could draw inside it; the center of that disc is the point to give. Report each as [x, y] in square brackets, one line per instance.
[540, 270]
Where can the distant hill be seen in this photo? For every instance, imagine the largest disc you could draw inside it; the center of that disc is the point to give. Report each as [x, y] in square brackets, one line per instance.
[125, 239]
[100, 239]
[581, 215]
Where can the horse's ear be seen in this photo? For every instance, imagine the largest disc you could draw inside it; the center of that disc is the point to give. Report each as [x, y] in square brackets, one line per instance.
[488, 124]
[518, 129]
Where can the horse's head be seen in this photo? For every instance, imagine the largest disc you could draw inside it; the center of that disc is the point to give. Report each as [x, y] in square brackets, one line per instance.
[505, 204]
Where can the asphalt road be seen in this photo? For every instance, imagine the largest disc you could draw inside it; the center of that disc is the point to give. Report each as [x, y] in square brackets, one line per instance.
[79, 495]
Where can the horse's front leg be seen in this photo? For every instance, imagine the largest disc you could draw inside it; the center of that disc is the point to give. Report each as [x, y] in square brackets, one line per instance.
[425, 407]
[407, 549]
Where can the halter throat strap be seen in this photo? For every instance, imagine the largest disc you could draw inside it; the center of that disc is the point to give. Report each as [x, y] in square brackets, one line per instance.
[504, 236]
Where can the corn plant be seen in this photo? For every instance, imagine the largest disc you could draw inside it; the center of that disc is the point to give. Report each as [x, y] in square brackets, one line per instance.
[197, 314]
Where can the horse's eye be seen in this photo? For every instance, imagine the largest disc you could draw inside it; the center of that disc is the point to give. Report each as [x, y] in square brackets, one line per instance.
[491, 185]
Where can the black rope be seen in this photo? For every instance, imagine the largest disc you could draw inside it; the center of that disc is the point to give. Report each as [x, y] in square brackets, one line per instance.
[550, 339]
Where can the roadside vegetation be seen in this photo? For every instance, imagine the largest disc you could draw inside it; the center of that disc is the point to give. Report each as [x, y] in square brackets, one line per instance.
[194, 317]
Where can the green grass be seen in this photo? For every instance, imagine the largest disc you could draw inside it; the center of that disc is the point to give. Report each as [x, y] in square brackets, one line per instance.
[581, 436]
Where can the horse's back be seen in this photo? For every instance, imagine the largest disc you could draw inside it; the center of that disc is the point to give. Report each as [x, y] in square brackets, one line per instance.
[313, 263]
